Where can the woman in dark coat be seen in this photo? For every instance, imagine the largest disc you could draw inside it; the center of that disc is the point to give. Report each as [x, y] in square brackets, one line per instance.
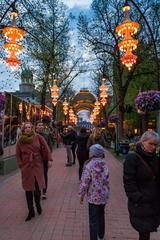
[31, 150]
[82, 150]
[142, 185]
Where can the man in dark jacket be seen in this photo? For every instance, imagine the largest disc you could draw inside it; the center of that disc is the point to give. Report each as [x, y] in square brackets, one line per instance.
[69, 138]
[40, 130]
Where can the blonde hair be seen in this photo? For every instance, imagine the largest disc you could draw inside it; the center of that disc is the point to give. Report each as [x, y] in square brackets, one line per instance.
[148, 135]
[24, 125]
[95, 132]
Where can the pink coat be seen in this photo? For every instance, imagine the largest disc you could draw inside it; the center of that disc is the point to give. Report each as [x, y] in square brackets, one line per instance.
[30, 159]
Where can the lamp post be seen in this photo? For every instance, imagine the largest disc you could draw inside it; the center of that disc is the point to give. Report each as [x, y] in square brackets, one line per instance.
[117, 138]
[10, 118]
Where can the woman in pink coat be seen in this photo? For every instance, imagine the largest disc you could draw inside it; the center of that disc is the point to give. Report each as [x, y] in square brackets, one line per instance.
[31, 150]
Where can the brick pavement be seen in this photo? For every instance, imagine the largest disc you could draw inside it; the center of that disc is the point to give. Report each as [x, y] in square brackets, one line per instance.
[63, 217]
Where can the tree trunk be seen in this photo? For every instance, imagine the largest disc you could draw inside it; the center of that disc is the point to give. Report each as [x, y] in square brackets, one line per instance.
[158, 122]
[54, 113]
[43, 95]
[143, 123]
[121, 119]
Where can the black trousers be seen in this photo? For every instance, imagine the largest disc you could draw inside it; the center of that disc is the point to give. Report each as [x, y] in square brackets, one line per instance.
[45, 168]
[74, 152]
[81, 164]
[29, 197]
[96, 221]
[144, 236]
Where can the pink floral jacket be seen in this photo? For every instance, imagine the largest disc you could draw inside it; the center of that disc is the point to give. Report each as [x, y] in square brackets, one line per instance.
[95, 182]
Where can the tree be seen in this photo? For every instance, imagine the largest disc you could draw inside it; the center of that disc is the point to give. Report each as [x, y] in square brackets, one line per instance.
[48, 47]
[98, 32]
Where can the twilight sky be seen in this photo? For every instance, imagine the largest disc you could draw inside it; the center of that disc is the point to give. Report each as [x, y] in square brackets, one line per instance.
[81, 3]
[7, 76]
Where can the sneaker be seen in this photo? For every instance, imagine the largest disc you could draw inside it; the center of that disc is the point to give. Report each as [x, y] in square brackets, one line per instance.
[101, 238]
[44, 196]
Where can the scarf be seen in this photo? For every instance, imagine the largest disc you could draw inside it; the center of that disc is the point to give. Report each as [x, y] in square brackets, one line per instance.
[27, 137]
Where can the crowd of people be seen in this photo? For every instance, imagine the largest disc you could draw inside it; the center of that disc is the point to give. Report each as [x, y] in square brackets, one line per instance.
[141, 174]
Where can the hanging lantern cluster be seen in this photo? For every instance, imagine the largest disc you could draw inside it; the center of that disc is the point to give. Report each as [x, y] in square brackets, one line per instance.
[28, 111]
[103, 93]
[54, 93]
[127, 30]
[92, 118]
[96, 111]
[14, 35]
[65, 107]
[20, 107]
[72, 116]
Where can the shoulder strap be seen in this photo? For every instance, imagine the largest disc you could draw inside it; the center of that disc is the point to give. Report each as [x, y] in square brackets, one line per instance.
[146, 165]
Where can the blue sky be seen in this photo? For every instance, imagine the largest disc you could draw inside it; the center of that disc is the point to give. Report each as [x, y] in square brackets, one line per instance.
[76, 7]
[78, 3]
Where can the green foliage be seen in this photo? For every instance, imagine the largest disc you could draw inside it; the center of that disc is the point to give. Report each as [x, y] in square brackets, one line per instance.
[98, 31]
[48, 48]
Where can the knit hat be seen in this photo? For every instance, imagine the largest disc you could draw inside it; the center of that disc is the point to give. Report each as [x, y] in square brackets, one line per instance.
[97, 150]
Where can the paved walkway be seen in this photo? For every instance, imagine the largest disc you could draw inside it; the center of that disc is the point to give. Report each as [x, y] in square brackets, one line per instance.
[9, 151]
[63, 218]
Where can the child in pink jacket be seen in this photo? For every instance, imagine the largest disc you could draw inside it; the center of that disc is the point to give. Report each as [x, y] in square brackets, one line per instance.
[95, 184]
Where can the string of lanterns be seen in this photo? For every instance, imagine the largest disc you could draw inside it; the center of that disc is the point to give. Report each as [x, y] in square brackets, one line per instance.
[128, 44]
[103, 93]
[72, 116]
[20, 107]
[13, 35]
[103, 101]
[54, 93]
[65, 107]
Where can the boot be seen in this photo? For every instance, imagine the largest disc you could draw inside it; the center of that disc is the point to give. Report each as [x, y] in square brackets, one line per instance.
[31, 214]
[29, 198]
[39, 209]
[37, 196]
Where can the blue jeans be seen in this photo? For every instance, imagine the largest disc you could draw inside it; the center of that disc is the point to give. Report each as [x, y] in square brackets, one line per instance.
[96, 221]
[69, 154]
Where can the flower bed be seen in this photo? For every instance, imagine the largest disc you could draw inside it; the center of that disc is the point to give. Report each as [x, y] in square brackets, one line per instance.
[148, 101]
